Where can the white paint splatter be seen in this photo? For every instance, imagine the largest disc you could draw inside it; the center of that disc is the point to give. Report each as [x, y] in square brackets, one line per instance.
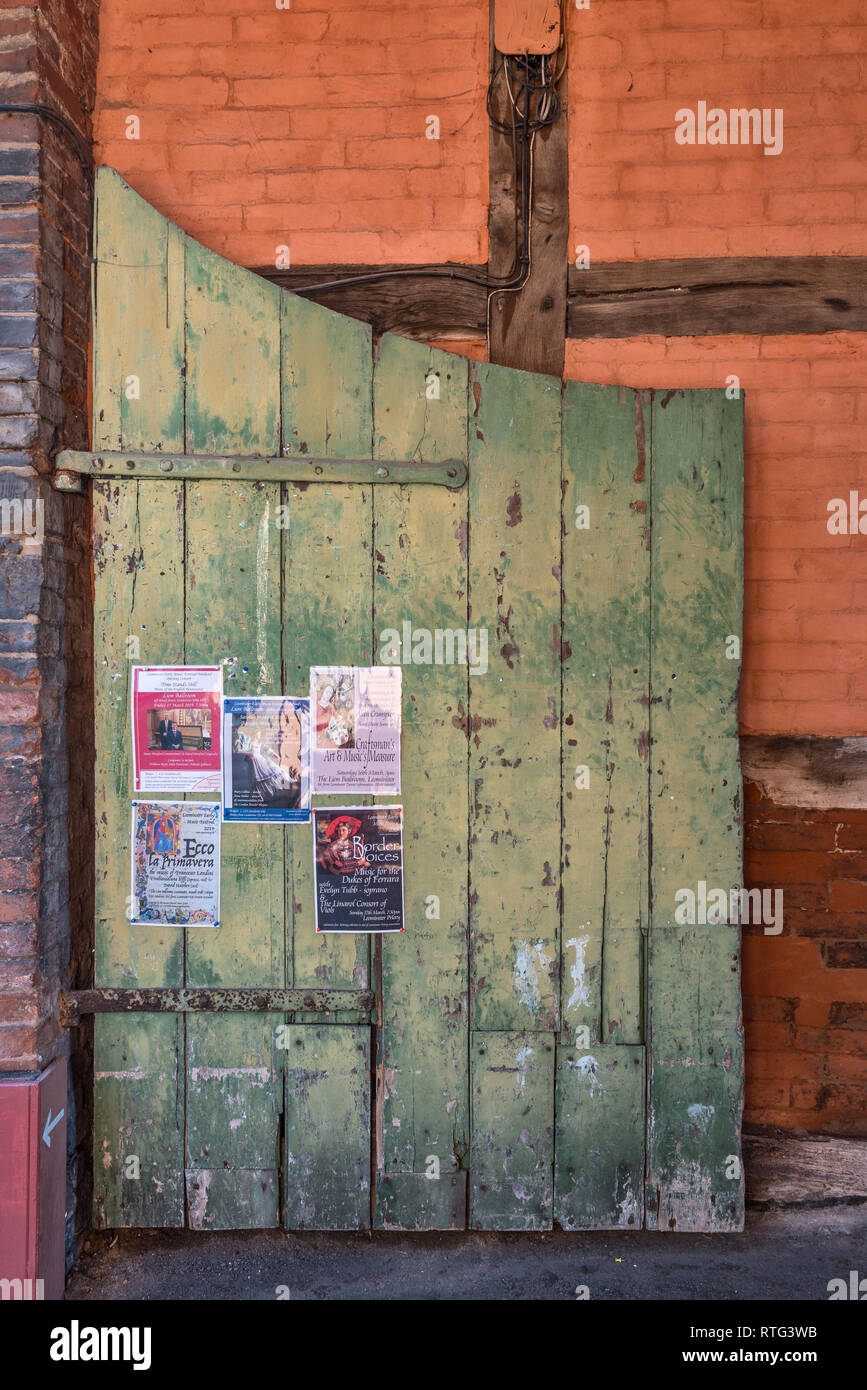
[531, 964]
[521, 1062]
[701, 1116]
[262, 1074]
[589, 1069]
[580, 992]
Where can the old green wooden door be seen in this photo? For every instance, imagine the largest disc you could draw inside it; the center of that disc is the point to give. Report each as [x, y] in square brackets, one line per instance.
[548, 1043]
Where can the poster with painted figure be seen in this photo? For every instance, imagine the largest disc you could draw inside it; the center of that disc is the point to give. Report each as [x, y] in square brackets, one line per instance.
[176, 728]
[266, 767]
[355, 728]
[175, 872]
[358, 864]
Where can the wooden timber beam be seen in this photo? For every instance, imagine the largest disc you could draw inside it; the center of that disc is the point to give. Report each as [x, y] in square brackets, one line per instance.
[417, 306]
[676, 298]
[826, 774]
[728, 294]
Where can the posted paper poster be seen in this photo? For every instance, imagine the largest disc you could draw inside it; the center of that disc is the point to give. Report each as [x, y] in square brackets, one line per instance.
[176, 728]
[266, 763]
[176, 863]
[358, 852]
[355, 717]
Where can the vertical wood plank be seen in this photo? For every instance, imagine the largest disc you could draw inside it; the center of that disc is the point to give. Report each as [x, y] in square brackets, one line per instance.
[138, 563]
[514, 710]
[328, 1087]
[232, 615]
[328, 558]
[420, 411]
[695, 1033]
[327, 618]
[599, 1169]
[606, 682]
[511, 1178]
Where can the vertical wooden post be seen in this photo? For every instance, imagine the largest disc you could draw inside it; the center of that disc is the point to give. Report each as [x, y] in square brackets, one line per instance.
[527, 327]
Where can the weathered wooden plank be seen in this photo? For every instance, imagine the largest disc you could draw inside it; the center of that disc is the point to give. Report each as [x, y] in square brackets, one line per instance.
[327, 572]
[138, 335]
[605, 715]
[418, 306]
[418, 1202]
[327, 618]
[232, 615]
[248, 1195]
[800, 1169]
[328, 1102]
[824, 774]
[514, 709]
[527, 328]
[511, 1158]
[714, 295]
[139, 1122]
[420, 586]
[599, 1168]
[695, 1032]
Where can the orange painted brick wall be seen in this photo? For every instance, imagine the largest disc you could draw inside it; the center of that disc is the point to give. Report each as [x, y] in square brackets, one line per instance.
[636, 194]
[303, 127]
[805, 593]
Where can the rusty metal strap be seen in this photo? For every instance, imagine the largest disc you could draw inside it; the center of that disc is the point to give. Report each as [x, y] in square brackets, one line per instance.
[74, 1003]
[74, 465]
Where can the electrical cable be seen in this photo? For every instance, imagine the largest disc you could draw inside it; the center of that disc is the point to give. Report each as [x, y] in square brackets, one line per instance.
[534, 82]
[35, 108]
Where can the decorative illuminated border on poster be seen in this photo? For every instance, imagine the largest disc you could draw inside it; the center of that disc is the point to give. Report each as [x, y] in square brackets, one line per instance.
[266, 759]
[175, 869]
[355, 729]
[176, 728]
[358, 866]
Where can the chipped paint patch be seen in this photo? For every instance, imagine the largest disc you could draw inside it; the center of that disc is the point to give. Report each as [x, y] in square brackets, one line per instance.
[589, 1068]
[531, 964]
[262, 1074]
[580, 995]
[701, 1116]
[521, 1057]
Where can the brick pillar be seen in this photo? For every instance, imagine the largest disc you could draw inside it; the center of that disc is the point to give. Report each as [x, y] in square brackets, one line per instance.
[47, 56]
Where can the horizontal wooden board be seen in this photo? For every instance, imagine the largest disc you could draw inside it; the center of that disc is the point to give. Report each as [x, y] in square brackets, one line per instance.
[824, 774]
[721, 294]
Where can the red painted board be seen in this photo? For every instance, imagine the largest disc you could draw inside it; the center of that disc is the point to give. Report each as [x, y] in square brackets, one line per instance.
[33, 1184]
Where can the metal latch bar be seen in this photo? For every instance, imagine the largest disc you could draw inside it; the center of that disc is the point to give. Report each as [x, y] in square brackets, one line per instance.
[73, 465]
[253, 1000]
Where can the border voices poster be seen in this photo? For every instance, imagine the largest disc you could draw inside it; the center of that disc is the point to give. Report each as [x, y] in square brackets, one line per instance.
[175, 863]
[355, 726]
[266, 766]
[176, 728]
[358, 863]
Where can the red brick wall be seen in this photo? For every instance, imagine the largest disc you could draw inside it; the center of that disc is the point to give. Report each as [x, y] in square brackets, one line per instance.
[46, 898]
[805, 992]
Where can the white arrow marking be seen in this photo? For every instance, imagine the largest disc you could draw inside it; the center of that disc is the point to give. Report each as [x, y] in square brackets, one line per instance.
[49, 1125]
